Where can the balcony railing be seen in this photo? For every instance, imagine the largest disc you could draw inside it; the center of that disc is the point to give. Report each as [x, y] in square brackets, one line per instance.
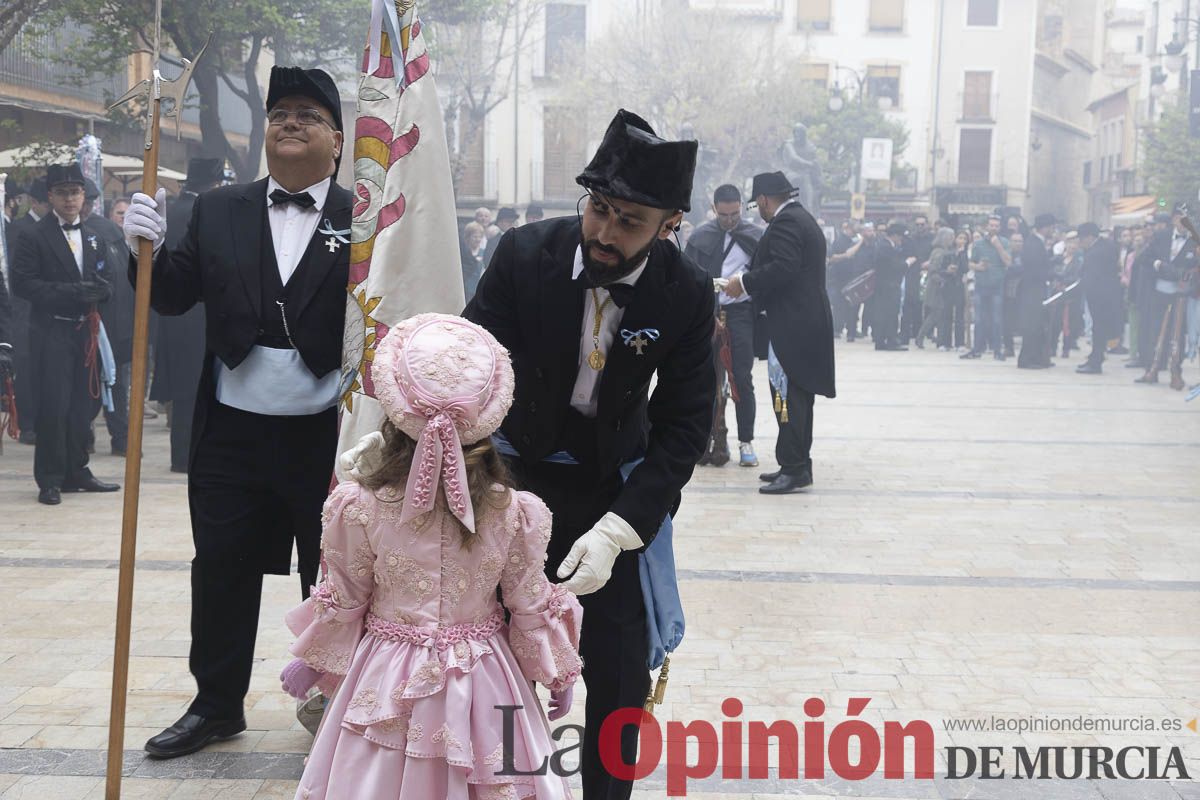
[32, 61]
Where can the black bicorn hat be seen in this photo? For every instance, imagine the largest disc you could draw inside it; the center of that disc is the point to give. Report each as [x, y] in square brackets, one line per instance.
[58, 174]
[204, 172]
[772, 184]
[90, 190]
[633, 163]
[314, 84]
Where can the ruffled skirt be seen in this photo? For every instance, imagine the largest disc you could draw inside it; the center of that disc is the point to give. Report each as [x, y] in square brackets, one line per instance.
[413, 722]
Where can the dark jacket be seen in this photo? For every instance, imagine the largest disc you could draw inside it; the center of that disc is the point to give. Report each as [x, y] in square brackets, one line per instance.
[179, 342]
[1102, 286]
[19, 329]
[44, 273]
[707, 244]
[117, 313]
[1173, 269]
[218, 263]
[787, 280]
[528, 300]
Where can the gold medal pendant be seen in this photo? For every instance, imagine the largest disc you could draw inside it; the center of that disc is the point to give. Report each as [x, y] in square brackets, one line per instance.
[596, 360]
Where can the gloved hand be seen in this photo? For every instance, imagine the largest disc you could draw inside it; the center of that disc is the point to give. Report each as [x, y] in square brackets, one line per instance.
[595, 552]
[145, 219]
[560, 703]
[95, 291]
[362, 459]
[298, 677]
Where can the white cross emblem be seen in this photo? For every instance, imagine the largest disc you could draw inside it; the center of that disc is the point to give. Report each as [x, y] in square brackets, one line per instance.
[638, 342]
[333, 244]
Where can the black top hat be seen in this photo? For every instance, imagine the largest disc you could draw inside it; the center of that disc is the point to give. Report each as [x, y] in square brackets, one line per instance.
[897, 229]
[38, 190]
[58, 174]
[772, 184]
[203, 172]
[1088, 229]
[507, 214]
[12, 188]
[314, 84]
[1044, 220]
[634, 164]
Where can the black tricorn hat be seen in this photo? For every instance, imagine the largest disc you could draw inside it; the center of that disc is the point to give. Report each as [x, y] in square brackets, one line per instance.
[314, 84]
[635, 164]
[1044, 220]
[58, 174]
[90, 190]
[38, 190]
[204, 172]
[772, 184]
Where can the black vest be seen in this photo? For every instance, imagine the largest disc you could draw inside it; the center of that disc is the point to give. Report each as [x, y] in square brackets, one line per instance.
[273, 331]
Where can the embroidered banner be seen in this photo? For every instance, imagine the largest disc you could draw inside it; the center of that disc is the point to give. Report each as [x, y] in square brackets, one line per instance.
[404, 254]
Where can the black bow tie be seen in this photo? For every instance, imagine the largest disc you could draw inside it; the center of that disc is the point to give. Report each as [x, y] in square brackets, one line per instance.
[67, 226]
[621, 293]
[303, 199]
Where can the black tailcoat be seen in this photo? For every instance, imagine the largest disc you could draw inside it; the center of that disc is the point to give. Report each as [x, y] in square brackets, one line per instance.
[528, 300]
[787, 280]
[217, 264]
[1102, 288]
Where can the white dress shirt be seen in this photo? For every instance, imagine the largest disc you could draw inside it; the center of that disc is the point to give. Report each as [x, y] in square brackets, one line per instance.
[292, 227]
[74, 240]
[737, 262]
[586, 395]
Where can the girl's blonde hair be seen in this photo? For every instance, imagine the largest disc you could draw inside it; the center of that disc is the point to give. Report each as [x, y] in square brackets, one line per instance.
[488, 478]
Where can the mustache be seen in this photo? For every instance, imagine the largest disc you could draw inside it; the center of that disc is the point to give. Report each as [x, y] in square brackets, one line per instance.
[593, 244]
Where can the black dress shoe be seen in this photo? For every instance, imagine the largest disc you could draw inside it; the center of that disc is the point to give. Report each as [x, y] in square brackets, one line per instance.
[192, 733]
[49, 496]
[1088, 369]
[786, 484]
[90, 484]
[770, 476]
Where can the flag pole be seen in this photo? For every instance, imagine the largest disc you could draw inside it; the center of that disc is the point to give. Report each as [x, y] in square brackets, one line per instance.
[152, 92]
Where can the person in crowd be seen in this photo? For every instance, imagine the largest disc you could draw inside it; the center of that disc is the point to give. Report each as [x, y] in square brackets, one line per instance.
[24, 380]
[471, 253]
[787, 279]
[1147, 304]
[60, 268]
[264, 434]
[1101, 277]
[842, 252]
[990, 258]
[891, 266]
[534, 213]
[918, 246]
[724, 247]
[1067, 268]
[865, 259]
[506, 218]
[941, 259]
[952, 335]
[1171, 295]
[1032, 316]
[408, 720]
[116, 212]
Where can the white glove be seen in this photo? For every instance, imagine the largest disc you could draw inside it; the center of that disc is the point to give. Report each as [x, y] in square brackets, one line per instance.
[143, 220]
[595, 552]
[362, 459]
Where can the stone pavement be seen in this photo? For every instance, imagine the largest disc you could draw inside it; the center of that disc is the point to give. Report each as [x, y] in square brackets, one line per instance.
[980, 542]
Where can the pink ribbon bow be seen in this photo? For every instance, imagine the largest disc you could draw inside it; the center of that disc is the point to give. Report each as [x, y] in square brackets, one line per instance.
[439, 459]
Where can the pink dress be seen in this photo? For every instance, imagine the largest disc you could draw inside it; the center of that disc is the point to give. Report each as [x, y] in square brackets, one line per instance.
[411, 620]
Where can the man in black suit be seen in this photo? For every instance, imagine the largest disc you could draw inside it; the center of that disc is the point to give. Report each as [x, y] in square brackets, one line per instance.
[1144, 295]
[787, 280]
[179, 346]
[267, 262]
[58, 269]
[891, 265]
[23, 383]
[1031, 291]
[1102, 291]
[724, 247]
[1176, 260]
[591, 309]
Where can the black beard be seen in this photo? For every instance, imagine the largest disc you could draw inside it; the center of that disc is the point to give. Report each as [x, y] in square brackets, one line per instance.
[599, 274]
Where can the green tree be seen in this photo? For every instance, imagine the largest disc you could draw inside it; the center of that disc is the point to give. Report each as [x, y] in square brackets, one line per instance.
[1172, 165]
[838, 136]
[305, 32]
[14, 14]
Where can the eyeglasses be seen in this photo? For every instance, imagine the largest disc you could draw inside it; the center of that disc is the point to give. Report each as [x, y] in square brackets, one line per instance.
[304, 116]
[74, 191]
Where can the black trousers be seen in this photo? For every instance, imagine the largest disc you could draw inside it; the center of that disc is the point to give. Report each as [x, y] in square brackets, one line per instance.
[739, 319]
[1035, 329]
[117, 420]
[257, 481]
[793, 449]
[64, 417]
[613, 640]
[885, 321]
[1152, 306]
[183, 409]
[25, 389]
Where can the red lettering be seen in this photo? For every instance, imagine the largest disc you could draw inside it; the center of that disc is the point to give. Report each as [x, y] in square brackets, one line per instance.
[678, 770]
[894, 735]
[731, 740]
[760, 751]
[610, 744]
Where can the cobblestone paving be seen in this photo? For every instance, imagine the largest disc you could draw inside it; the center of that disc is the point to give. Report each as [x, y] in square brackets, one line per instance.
[980, 542]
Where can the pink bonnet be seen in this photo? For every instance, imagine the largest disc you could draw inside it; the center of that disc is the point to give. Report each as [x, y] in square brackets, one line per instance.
[445, 382]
